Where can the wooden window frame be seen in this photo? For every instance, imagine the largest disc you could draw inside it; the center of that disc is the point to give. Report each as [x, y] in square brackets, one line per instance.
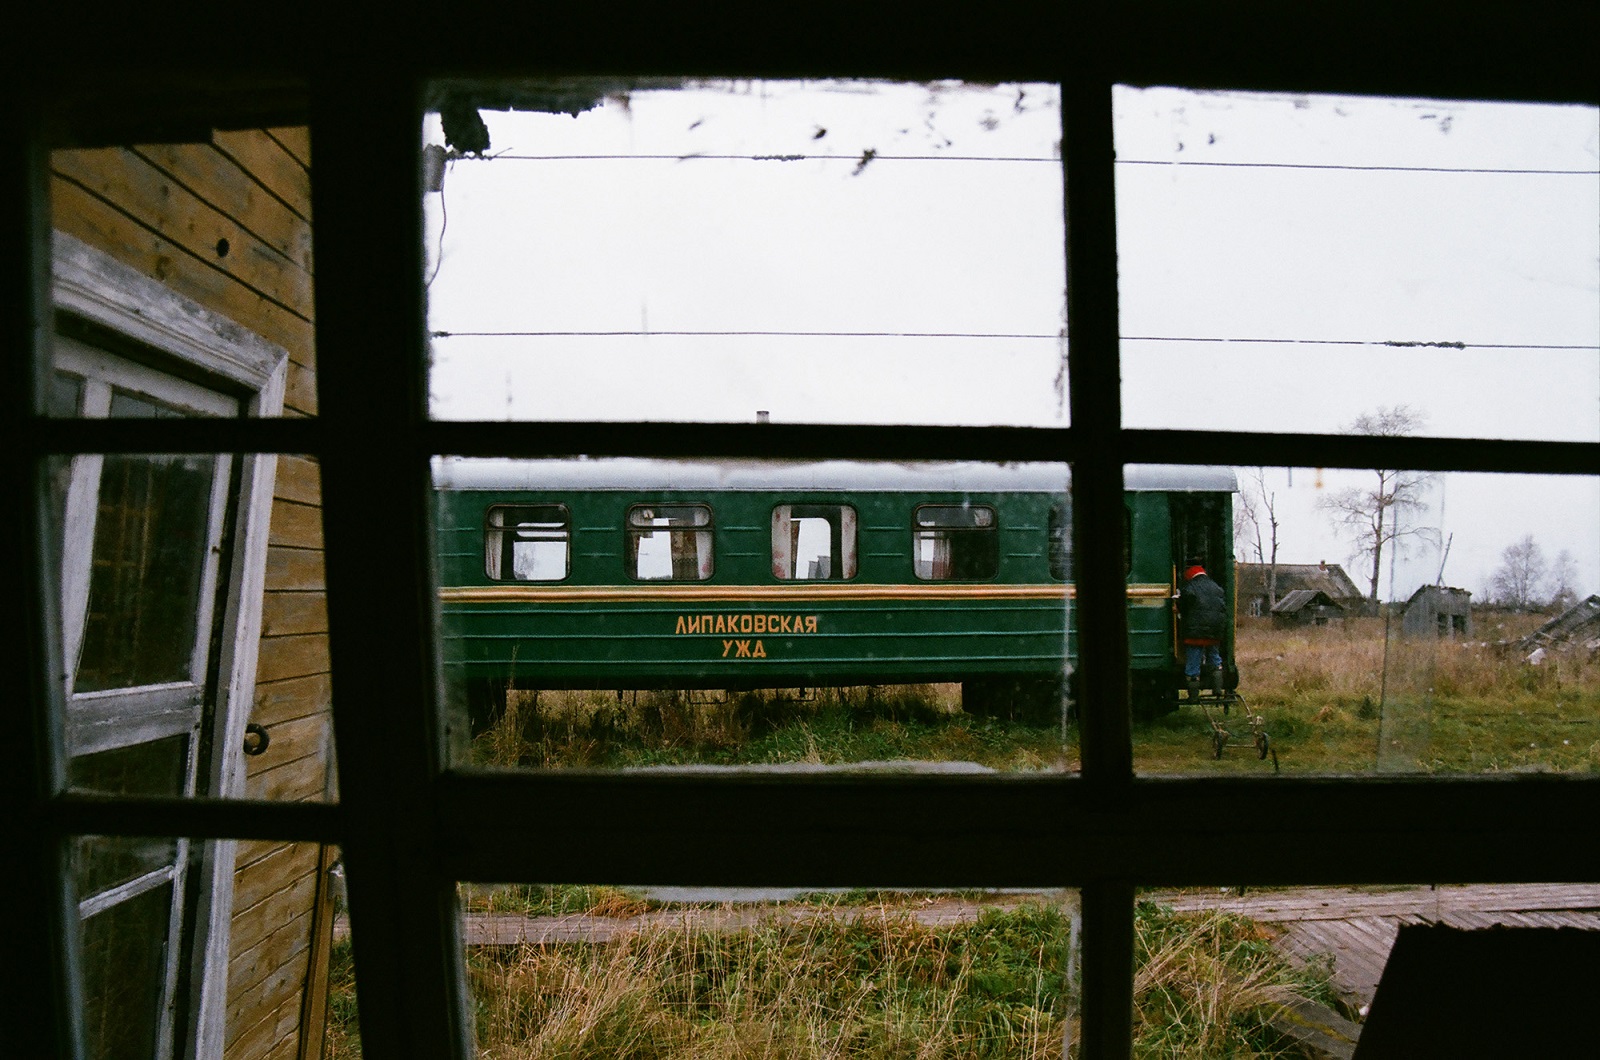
[410, 828]
[243, 374]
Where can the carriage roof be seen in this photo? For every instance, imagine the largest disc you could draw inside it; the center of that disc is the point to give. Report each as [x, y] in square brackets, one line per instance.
[637, 474]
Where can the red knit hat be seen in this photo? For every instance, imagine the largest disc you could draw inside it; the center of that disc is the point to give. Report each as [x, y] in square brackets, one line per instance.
[1190, 572]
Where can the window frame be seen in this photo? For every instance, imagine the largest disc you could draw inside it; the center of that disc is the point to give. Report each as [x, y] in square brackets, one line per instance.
[849, 557]
[410, 829]
[632, 532]
[919, 533]
[190, 357]
[490, 530]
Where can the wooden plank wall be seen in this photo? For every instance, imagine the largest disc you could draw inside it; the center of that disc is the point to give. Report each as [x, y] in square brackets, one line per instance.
[228, 225]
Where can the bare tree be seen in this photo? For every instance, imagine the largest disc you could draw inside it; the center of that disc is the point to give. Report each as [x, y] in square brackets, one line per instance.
[1520, 579]
[1563, 581]
[1379, 518]
[1258, 504]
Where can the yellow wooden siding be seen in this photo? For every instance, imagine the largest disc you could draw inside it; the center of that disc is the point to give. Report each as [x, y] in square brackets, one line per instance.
[227, 224]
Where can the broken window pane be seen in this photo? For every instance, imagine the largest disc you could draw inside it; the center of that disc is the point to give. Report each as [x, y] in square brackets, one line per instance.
[813, 251]
[1292, 263]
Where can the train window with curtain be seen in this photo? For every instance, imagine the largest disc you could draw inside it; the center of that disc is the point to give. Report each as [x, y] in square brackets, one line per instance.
[527, 542]
[956, 542]
[813, 542]
[669, 542]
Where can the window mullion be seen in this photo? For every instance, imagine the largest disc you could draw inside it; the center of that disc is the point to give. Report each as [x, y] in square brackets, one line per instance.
[37, 1009]
[1094, 379]
[367, 201]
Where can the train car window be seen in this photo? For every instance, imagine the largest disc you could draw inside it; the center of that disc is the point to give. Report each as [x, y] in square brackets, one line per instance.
[1060, 542]
[812, 542]
[669, 542]
[955, 542]
[527, 542]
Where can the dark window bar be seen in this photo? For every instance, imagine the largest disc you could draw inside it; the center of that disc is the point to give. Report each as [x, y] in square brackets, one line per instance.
[409, 831]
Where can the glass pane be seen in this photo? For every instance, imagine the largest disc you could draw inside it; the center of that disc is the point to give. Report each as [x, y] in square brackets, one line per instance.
[156, 768]
[964, 544]
[773, 659]
[799, 251]
[151, 543]
[1290, 262]
[690, 972]
[125, 974]
[157, 591]
[536, 547]
[1387, 621]
[193, 257]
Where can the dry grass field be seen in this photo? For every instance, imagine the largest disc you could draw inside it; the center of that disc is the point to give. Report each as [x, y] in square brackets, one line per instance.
[1349, 700]
[1345, 699]
[878, 985]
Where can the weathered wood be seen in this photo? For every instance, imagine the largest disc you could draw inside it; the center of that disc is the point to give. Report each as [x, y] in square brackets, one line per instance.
[314, 1009]
[252, 925]
[296, 697]
[295, 570]
[299, 479]
[219, 180]
[131, 184]
[1317, 1031]
[292, 741]
[296, 139]
[301, 393]
[251, 966]
[257, 1040]
[91, 219]
[283, 614]
[301, 780]
[265, 159]
[1339, 903]
[295, 656]
[251, 851]
[254, 882]
[296, 525]
[284, 981]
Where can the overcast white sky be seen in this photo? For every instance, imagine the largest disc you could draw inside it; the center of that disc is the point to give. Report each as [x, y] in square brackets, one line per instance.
[905, 243]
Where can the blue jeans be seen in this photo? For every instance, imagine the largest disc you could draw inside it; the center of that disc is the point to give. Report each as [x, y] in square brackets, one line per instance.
[1192, 654]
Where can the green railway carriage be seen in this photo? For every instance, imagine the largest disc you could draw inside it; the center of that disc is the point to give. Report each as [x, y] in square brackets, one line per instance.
[628, 574]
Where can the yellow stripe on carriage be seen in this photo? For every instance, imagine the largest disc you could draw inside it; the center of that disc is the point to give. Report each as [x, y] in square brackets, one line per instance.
[1139, 595]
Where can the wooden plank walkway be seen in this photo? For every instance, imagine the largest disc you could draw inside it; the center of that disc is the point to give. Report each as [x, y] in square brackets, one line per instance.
[1357, 927]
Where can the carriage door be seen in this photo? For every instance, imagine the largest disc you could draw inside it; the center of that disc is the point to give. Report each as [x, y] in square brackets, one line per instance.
[1202, 531]
[142, 540]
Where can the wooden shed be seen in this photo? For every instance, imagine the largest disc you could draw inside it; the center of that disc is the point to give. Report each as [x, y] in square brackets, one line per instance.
[183, 287]
[1438, 611]
[1307, 607]
[1262, 586]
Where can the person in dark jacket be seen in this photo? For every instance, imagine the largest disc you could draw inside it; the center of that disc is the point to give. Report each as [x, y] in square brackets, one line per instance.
[1202, 621]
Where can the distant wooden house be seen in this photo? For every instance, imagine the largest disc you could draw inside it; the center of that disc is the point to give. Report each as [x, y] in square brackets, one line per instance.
[1307, 607]
[1326, 578]
[1438, 611]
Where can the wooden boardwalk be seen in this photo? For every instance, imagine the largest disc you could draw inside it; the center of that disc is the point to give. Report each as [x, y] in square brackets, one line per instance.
[1357, 927]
